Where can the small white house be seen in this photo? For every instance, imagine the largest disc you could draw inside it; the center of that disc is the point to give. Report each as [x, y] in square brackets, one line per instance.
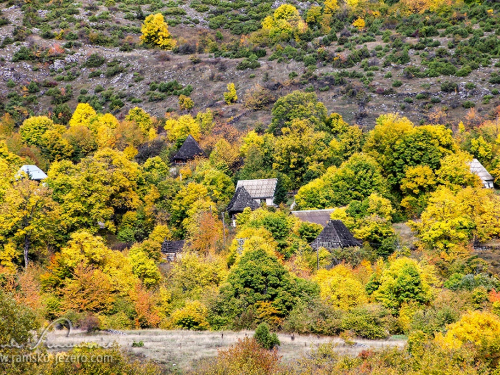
[34, 173]
[260, 190]
[477, 168]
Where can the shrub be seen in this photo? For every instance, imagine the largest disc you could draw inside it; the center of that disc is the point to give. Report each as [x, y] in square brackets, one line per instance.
[397, 83]
[468, 104]
[266, 339]
[448, 86]
[94, 61]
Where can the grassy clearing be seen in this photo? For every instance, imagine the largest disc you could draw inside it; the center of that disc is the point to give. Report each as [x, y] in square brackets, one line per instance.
[184, 349]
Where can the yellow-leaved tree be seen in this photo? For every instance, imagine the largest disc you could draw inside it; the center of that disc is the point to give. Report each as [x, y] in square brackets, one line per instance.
[230, 95]
[155, 32]
[181, 127]
[340, 288]
[480, 328]
[285, 23]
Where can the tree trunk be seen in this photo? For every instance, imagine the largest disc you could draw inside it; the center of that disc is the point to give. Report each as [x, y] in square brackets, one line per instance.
[26, 249]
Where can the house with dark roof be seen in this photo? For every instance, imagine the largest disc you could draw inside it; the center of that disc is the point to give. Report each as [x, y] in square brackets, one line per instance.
[486, 178]
[172, 249]
[32, 171]
[335, 235]
[262, 190]
[241, 200]
[189, 150]
[321, 217]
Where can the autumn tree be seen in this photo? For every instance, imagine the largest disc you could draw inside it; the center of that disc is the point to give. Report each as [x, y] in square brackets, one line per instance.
[285, 23]
[300, 152]
[297, 106]
[33, 129]
[155, 32]
[230, 95]
[404, 281]
[178, 129]
[355, 179]
[452, 219]
[28, 217]
[92, 191]
[339, 288]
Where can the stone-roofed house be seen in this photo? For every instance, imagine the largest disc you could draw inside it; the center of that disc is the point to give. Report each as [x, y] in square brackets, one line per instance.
[477, 168]
[34, 173]
[321, 217]
[171, 249]
[241, 200]
[260, 190]
[189, 150]
[335, 235]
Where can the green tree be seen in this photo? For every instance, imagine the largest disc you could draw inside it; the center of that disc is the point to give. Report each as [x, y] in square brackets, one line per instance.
[297, 106]
[259, 277]
[355, 179]
[266, 339]
[404, 281]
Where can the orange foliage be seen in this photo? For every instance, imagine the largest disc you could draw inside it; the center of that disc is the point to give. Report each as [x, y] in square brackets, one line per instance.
[208, 233]
[147, 312]
[494, 296]
[90, 290]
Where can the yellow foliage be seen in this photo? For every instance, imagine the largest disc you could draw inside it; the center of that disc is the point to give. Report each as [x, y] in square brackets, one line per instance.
[340, 288]
[478, 327]
[82, 115]
[185, 102]
[359, 24]
[192, 316]
[331, 6]
[230, 95]
[284, 23]
[155, 32]
[181, 127]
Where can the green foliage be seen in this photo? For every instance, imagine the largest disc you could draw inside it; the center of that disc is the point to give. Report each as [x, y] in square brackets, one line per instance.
[258, 278]
[266, 339]
[297, 105]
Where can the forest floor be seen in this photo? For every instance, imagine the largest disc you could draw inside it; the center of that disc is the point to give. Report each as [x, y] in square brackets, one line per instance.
[184, 349]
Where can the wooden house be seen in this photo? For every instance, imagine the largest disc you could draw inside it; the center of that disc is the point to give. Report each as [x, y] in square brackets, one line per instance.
[486, 178]
[189, 150]
[241, 200]
[172, 249]
[335, 235]
[321, 217]
[261, 191]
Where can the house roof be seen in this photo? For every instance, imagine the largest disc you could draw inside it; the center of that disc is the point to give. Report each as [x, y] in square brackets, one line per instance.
[241, 199]
[335, 235]
[172, 246]
[33, 172]
[189, 150]
[320, 217]
[477, 168]
[259, 189]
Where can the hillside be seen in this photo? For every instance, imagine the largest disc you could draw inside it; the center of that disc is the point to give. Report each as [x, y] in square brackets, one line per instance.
[426, 68]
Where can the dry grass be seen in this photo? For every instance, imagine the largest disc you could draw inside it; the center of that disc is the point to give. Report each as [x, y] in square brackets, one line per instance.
[184, 349]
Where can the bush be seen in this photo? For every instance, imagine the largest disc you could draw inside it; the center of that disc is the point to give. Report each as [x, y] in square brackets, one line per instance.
[468, 104]
[448, 86]
[266, 339]
[94, 61]
[397, 83]
[365, 323]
